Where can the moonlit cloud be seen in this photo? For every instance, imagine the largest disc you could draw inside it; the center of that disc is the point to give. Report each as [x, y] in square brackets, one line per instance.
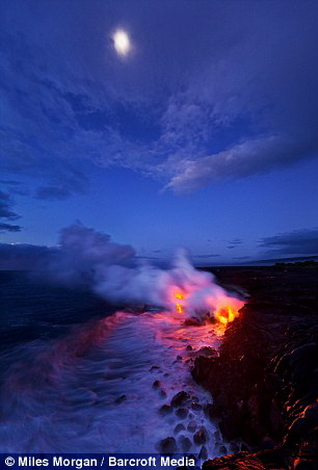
[216, 91]
[111, 109]
[254, 156]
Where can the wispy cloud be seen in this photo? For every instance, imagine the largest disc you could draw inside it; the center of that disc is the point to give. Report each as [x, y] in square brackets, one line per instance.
[235, 242]
[298, 242]
[175, 110]
[244, 159]
[209, 255]
[7, 213]
[5, 227]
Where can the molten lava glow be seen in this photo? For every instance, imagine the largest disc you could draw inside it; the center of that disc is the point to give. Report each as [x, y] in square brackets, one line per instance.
[196, 302]
[226, 315]
[179, 307]
[179, 295]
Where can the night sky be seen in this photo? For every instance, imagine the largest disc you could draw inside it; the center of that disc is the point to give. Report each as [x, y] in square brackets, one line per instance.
[162, 123]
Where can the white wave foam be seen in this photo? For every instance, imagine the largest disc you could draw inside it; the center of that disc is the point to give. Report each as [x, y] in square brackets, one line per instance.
[101, 388]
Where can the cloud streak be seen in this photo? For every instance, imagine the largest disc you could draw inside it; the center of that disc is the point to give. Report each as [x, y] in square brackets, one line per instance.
[232, 92]
[7, 213]
[245, 159]
[298, 242]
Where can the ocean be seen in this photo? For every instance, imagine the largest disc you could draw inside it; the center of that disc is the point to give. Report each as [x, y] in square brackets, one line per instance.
[79, 375]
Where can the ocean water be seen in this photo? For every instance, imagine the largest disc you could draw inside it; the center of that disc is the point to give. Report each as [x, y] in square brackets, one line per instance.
[77, 375]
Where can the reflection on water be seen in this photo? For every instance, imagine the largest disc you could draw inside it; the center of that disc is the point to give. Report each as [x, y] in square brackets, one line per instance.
[104, 385]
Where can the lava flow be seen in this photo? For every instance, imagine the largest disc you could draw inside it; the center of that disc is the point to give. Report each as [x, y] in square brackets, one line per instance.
[224, 309]
[226, 314]
[179, 307]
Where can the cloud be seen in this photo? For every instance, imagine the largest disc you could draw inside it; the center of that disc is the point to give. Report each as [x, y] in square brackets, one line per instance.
[83, 253]
[223, 90]
[4, 227]
[52, 193]
[234, 243]
[23, 256]
[298, 242]
[244, 159]
[80, 255]
[88, 258]
[5, 206]
[7, 213]
[207, 256]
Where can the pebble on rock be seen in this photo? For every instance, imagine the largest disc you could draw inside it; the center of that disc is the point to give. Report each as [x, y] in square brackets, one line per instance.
[185, 443]
[165, 409]
[192, 426]
[182, 413]
[180, 398]
[203, 453]
[200, 436]
[196, 406]
[168, 445]
[207, 351]
[234, 447]
[222, 450]
[180, 427]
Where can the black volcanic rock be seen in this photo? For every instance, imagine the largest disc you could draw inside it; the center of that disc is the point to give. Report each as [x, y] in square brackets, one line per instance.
[168, 445]
[203, 453]
[265, 381]
[182, 413]
[200, 437]
[185, 443]
[179, 427]
[165, 409]
[207, 351]
[156, 384]
[180, 398]
[235, 462]
[192, 322]
[192, 426]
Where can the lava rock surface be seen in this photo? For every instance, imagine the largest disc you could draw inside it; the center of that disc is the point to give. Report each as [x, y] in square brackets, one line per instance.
[264, 382]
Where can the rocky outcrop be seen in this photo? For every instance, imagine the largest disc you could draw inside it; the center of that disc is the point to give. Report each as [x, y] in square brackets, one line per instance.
[264, 382]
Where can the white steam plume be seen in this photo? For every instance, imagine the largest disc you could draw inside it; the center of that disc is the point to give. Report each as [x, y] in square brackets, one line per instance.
[111, 270]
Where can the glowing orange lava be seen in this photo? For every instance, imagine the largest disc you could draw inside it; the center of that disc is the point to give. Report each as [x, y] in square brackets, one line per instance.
[226, 315]
[179, 307]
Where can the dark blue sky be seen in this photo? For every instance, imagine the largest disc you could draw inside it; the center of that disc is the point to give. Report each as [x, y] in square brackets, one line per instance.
[205, 135]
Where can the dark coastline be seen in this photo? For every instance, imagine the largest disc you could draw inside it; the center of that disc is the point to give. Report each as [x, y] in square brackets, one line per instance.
[265, 381]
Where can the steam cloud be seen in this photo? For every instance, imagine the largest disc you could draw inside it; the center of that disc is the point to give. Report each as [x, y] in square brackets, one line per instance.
[112, 271]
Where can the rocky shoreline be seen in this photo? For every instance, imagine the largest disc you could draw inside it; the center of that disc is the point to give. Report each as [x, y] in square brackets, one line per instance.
[264, 382]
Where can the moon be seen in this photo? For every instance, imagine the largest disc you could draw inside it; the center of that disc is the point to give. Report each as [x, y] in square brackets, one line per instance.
[121, 42]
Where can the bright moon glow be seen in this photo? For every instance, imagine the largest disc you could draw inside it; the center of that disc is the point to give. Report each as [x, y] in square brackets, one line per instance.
[121, 42]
